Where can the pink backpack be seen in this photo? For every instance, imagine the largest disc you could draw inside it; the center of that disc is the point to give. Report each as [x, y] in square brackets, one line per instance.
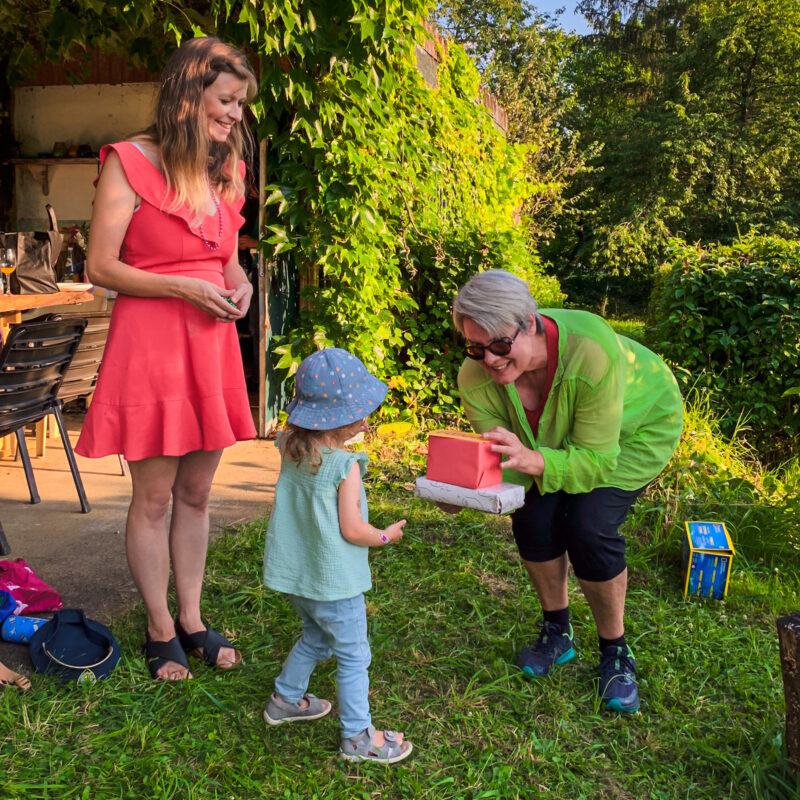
[29, 591]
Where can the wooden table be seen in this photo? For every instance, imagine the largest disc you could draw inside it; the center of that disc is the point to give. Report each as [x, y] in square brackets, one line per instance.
[12, 305]
[11, 308]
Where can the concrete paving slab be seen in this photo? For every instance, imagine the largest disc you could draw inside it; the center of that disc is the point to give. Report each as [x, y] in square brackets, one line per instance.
[83, 555]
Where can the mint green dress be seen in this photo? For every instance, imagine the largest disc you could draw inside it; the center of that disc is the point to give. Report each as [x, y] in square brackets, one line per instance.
[305, 553]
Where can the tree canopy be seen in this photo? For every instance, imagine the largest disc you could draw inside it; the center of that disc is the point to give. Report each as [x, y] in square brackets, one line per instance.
[694, 105]
[521, 54]
[673, 118]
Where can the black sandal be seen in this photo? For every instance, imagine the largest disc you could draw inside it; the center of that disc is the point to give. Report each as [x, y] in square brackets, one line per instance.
[159, 653]
[206, 645]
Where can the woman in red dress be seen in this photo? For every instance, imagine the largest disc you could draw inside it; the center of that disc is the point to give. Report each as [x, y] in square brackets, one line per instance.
[171, 392]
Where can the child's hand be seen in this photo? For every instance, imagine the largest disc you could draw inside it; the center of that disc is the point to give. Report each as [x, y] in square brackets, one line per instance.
[393, 533]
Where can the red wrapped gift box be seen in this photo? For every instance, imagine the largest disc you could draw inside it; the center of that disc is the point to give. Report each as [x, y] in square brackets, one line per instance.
[462, 459]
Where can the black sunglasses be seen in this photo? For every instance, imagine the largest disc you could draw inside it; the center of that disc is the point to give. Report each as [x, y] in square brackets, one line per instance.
[500, 347]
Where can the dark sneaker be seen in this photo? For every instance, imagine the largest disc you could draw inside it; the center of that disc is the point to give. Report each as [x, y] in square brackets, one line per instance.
[618, 690]
[554, 646]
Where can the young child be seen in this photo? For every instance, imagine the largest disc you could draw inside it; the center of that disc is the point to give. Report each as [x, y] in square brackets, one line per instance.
[316, 551]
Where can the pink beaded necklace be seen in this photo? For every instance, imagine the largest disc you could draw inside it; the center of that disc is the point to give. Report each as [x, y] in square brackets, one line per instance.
[213, 245]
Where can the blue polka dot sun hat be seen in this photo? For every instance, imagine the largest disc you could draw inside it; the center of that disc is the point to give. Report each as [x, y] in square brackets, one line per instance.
[332, 389]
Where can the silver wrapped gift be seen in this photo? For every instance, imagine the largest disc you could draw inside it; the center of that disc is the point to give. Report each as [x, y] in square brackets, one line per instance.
[500, 498]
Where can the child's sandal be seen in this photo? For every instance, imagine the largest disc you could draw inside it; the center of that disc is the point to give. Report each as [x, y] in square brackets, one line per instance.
[279, 710]
[362, 748]
[206, 645]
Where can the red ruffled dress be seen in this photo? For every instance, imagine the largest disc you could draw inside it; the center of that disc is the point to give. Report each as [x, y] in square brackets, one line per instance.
[171, 380]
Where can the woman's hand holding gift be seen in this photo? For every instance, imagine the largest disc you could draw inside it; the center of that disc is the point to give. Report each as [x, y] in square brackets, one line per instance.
[448, 508]
[518, 457]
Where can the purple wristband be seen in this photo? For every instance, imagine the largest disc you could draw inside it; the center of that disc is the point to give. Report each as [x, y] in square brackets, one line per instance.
[384, 538]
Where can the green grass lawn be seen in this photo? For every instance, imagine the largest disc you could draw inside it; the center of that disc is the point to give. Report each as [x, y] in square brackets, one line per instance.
[449, 610]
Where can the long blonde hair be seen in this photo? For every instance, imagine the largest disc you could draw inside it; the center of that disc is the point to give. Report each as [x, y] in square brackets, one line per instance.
[189, 158]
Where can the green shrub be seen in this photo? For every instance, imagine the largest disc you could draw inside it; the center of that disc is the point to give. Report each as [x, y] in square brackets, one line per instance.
[729, 315]
[632, 328]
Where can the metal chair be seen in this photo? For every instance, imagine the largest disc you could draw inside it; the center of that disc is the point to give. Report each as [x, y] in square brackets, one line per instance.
[33, 362]
[81, 376]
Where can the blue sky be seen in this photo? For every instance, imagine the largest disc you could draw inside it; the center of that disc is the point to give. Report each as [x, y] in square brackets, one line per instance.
[569, 20]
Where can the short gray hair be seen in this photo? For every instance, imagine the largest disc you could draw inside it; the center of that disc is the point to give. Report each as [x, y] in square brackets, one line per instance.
[496, 300]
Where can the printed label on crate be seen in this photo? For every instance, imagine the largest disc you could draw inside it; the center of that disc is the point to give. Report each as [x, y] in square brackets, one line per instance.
[708, 575]
[708, 536]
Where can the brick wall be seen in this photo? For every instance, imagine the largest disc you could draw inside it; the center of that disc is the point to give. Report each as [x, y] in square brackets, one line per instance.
[102, 68]
[428, 64]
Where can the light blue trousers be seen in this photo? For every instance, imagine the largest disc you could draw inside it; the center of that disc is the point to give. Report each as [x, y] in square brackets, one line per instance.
[339, 628]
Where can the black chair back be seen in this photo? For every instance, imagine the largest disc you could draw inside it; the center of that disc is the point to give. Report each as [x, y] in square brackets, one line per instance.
[81, 377]
[33, 362]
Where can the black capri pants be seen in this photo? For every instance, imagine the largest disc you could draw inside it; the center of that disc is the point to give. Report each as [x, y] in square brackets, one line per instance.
[585, 526]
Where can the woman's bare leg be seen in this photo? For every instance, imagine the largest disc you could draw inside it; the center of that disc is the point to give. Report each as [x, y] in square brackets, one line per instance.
[147, 548]
[549, 579]
[188, 538]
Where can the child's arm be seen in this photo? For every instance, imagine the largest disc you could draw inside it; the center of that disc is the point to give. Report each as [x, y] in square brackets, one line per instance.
[353, 527]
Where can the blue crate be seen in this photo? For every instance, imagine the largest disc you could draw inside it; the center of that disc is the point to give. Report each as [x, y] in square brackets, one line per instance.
[708, 554]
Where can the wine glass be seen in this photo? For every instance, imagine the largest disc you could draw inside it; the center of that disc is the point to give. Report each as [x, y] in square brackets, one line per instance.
[8, 264]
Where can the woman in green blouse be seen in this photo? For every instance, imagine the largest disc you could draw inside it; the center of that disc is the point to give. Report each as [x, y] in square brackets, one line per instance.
[584, 419]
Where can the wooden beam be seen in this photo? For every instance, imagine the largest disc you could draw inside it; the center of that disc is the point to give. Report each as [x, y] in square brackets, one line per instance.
[262, 294]
[789, 641]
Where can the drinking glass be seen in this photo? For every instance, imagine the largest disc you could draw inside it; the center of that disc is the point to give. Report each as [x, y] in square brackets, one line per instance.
[8, 263]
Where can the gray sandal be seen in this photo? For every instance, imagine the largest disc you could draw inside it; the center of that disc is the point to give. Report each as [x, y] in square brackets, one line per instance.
[361, 748]
[279, 710]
